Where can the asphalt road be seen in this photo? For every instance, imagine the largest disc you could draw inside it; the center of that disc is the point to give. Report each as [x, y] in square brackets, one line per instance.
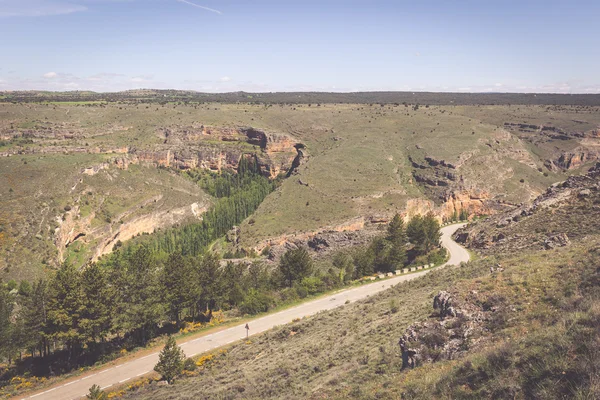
[119, 374]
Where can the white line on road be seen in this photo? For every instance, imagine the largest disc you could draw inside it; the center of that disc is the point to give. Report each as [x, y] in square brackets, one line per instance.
[124, 380]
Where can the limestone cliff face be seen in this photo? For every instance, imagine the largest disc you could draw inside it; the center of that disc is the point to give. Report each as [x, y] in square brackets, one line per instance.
[199, 147]
[475, 202]
[587, 151]
[101, 240]
[147, 224]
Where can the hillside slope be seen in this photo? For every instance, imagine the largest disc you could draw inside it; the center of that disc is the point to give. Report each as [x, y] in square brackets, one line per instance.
[512, 324]
[349, 167]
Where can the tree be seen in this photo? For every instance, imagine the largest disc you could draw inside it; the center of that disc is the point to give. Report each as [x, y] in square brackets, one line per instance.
[139, 304]
[36, 318]
[6, 309]
[232, 284]
[96, 393]
[176, 285]
[295, 265]
[209, 284]
[424, 232]
[380, 248]
[431, 226]
[396, 236]
[170, 361]
[415, 232]
[98, 304]
[65, 307]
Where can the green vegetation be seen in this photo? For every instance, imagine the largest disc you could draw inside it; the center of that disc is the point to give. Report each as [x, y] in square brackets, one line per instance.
[170, 361]
[82, 316]
[96, 393]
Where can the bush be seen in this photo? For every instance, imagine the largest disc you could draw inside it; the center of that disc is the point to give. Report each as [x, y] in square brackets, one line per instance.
[312, 285]
[256, 302]
[189, 365]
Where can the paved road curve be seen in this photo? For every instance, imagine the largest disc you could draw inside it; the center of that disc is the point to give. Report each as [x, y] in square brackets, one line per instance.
[132, 369]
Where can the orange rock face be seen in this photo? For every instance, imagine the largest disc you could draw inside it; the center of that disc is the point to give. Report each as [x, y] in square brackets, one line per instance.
[475, 202]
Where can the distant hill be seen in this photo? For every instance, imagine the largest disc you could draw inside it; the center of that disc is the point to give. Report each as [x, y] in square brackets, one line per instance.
[432, 98]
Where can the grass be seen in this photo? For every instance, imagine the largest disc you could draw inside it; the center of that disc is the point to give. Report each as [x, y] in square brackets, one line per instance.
[358, 155]
[352, 352]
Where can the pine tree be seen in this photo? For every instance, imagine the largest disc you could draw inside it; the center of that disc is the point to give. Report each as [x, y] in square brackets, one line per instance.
[98, 304]
[139, 304]
[295, 265]
[397, 239]
[170, 361]
[176, 285]
[65, 307]
[36, 318]
[431, 228]
[6, 309]
[96, 393]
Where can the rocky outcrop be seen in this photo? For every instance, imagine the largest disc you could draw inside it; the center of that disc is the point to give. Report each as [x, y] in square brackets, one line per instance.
[554, 241]
[565, 211]
[456, 330]
[576, 158]
[198, 147]
[146, 224]
[325, 240]
[474, 202]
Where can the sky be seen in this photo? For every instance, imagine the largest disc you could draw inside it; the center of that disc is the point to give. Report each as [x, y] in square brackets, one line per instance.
[546, 46]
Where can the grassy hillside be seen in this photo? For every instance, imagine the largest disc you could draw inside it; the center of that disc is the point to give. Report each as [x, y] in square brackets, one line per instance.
[47, 201]
[524, 324]
[361, 161]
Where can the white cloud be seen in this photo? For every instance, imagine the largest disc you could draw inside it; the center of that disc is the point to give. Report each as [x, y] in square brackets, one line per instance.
[50, 75]
[37, 8]
[225, 79]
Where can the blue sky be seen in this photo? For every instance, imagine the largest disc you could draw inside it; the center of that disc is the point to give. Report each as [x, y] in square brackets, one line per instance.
[288, 45]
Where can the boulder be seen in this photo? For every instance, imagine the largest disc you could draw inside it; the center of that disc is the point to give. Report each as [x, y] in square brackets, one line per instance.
[558, 240]
[443, 302]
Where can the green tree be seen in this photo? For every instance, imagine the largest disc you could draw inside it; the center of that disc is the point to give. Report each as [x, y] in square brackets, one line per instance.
[257, 277]
[96, 393]
[65, 307]
[36, 318]
[424, 232]
[431, 226]
[6, 308]
[98, 304]
[396, 237]
[170, 361]
[232, 284]
[343, 262]
[208, 283]
[380, 248]
[176, 285]
[295, 265]
[364, 261]
[139, 304]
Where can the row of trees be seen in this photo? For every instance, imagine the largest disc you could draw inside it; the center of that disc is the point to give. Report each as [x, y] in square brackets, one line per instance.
[135, 295]
[138, 292]
[237, 195]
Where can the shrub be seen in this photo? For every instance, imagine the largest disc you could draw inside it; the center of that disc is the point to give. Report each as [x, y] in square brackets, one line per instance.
[256, 302]
[312, 285]
[189, 365]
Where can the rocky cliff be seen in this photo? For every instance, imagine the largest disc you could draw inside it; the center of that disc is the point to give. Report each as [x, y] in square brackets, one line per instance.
[218, 148]
[543, 224]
